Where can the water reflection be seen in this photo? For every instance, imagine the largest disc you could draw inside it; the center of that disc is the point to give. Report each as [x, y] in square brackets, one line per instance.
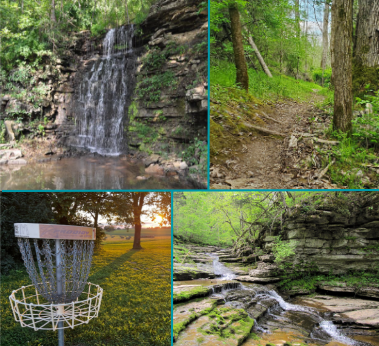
[84, 173]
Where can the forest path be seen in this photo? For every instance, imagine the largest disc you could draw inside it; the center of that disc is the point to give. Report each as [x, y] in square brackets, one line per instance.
[267, 161]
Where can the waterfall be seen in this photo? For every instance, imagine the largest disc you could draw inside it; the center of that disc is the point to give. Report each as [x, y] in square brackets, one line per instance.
[103, 96]
[221, 270]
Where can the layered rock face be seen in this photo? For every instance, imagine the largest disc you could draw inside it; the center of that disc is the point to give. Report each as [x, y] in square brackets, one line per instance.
[332, 241]
[171, 91]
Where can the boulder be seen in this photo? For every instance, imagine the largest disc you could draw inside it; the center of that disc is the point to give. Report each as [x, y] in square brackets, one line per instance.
[155, 169]
[151, 160]
[267, 258]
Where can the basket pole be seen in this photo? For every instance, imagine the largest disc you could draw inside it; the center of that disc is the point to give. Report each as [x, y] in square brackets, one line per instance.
[58, 253]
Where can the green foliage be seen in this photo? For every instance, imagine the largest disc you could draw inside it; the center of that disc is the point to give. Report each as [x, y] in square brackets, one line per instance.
[197, 154]
[351, 155]
[3, 132]
[260, 85]
[283, 249]
[136, 284]
[41, 129]
[28, 34]
[309, 282]
[154, 59]
[366, 126]
[318, 74]
[147, 133]
[149, 88]
[17, 208]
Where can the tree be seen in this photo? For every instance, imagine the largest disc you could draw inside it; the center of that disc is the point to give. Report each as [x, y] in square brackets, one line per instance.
[138, 203]
[366, 47]
[130, 206]
[325, 40]
[259, 57]
[52, 16]
[239, 54]
[28, 207]
[341, 51]
[367, 33]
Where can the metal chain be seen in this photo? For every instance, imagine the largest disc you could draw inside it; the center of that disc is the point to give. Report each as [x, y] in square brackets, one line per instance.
[76, 258]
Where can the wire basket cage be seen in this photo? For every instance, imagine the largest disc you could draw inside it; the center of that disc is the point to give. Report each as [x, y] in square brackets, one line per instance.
[73, 266]
[58, 260]
[32, 310]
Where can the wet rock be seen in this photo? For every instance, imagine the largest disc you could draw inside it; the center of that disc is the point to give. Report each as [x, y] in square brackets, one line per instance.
[230, 325]
[183, 166]
[155, 169]
[258, 280]
[341, 287]
[151, 159]
[185, 272]
[363, 313]
[8, 126]
[17, 162]
[265, 270]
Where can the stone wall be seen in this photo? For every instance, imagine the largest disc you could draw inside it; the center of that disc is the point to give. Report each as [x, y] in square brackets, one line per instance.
[334, 240]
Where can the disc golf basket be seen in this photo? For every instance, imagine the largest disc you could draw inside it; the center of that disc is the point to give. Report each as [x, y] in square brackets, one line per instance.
[58, 260]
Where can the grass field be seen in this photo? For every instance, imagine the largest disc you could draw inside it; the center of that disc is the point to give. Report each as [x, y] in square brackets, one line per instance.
[136, 305]
[157, 233]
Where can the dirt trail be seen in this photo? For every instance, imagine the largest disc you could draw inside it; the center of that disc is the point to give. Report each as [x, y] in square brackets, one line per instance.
[266, 161]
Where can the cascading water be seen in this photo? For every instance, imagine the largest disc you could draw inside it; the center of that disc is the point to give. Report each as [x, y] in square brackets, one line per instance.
[221, 270]
[263, 293]
[104, 95]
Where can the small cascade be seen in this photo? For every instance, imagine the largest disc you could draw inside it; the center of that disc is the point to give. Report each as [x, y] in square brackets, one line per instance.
[326, 326]
[226, 287]
[323, 329]
[332, 330]
[221, 270]
[104, 95]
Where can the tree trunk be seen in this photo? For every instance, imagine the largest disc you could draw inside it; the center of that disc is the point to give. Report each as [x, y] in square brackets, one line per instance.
[325, 43]
[342, 34]
[137, 232]
[127, 11]
[239, 55]
[367, 42]
[298, 32]
[52, 16]
[138, 201]
[259, 56]
[297, 17]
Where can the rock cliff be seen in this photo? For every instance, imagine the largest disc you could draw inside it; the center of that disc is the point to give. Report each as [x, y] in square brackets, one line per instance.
[166, 111]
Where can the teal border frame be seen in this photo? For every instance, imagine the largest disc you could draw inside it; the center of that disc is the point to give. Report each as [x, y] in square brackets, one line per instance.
[172, 268]
[209, 95]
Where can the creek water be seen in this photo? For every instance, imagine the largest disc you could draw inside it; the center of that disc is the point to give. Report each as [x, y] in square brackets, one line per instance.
[283, 321]
[84, 173]
[104, 94]
[222, 272]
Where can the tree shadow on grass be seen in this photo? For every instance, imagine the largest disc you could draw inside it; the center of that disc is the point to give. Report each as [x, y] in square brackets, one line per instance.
[107, 270]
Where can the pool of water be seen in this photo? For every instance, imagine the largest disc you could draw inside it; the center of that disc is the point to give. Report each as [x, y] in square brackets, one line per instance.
[84, 173]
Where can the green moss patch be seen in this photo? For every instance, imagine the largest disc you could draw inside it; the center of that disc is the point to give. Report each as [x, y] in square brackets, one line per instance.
[191, 293]
[231, 108]
[186, 313]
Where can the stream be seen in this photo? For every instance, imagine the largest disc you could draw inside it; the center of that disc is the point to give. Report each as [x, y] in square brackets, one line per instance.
[277, 320]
